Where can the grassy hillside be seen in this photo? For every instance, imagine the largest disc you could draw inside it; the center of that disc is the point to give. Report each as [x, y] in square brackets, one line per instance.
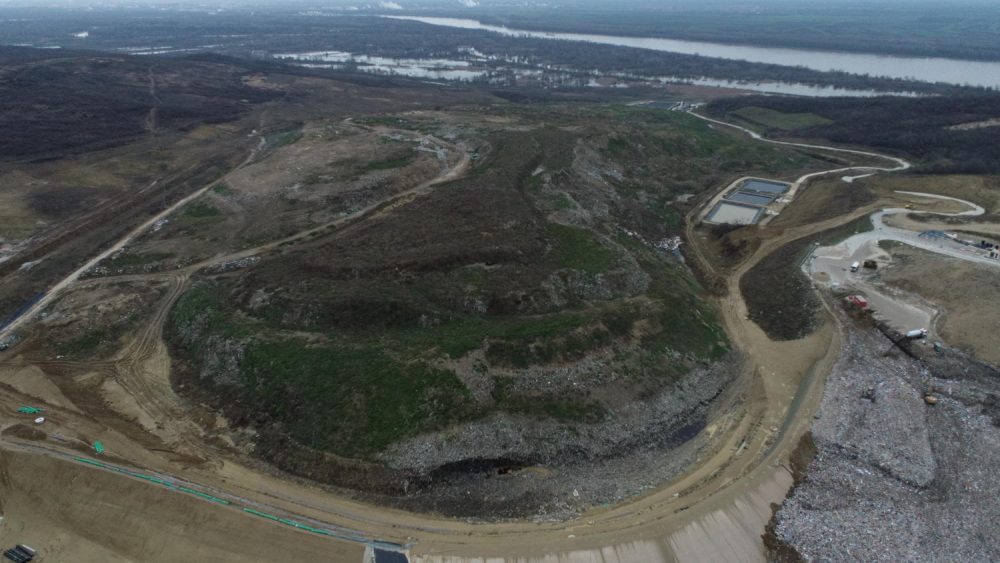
[539, 265]
[944, 134]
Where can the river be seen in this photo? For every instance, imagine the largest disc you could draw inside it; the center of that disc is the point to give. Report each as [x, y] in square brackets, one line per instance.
[951, 71]
[466, 70]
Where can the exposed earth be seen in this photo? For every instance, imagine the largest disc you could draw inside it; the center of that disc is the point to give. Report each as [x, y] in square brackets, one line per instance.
[468, 330]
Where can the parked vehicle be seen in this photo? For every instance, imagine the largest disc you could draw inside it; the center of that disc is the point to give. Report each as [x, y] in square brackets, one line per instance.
[858, 301]
[20, 554]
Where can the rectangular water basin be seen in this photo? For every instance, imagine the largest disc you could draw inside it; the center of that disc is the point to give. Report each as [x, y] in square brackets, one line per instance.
[731, 213]
[765, 187]
[751, 198]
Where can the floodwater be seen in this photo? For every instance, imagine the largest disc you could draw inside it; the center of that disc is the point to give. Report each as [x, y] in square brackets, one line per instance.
[778, 87]
[926, 69]
[437, 69]
[466, 70]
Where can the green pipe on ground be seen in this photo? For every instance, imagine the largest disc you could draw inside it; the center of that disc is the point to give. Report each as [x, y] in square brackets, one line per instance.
[262, 514]
[208, 497]
[151, 479]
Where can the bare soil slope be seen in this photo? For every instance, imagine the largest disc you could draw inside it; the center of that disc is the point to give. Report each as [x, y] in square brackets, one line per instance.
[454, 333]
[111, 519]
[968, 316]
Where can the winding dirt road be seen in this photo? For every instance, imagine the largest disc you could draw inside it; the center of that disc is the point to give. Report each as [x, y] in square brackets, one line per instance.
[715, 511]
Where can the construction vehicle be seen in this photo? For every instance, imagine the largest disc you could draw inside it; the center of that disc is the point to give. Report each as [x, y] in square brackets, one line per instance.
[858, 301]
[29, 410]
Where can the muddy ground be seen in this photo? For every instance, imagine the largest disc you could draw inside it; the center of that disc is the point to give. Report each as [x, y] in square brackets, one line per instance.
[569, 224]
[962, 290]
[120, 520]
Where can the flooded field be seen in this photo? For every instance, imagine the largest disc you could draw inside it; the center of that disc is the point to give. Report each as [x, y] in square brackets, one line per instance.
[498, 70]
[950, 71]
[437, 69]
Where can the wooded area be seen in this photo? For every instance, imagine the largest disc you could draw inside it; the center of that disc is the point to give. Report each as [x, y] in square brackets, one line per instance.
[928, 29]
[919, 127]
[251, 35]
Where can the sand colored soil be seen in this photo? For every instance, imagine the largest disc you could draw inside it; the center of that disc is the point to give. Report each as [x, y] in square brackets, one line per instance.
[70, 512]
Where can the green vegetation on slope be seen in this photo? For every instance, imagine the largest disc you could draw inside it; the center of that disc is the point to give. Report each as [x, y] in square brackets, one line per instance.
[779, 295]
[578, 248]
[354, 401]
[201, 209]
[357, 393]
[932, 130]
[388, 164]
[222, 188]
[778, 120]
[458, 304]
[284, 138]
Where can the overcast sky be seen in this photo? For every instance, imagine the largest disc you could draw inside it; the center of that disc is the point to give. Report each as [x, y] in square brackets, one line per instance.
[472, 4]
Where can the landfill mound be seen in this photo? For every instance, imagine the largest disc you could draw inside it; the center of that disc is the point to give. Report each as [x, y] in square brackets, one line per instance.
[907, 442]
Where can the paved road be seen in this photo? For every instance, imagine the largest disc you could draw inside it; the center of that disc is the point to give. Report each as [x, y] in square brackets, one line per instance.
[850, 249]
[830, 265]
[795, 186]
[901, 164]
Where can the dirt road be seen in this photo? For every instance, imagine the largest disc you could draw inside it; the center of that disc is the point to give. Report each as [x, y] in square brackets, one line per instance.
[54, 291]
[715, 511]
[901, 164]
[35, 490]
[830, 265]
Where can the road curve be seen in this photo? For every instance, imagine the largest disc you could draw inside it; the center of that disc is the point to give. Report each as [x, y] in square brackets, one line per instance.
[59, 287]
[901, 164]
[715, 511]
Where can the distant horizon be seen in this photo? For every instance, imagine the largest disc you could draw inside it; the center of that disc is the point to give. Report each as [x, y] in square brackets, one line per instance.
[471, 5]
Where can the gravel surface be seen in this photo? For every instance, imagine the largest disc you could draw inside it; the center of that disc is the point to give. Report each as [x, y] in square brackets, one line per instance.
[894, 478]
[512, 466]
